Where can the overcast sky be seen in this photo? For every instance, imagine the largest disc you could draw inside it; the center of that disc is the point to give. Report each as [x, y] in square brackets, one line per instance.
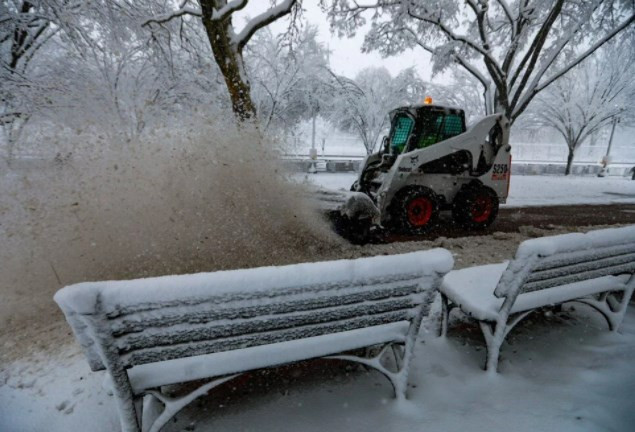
[346, 55]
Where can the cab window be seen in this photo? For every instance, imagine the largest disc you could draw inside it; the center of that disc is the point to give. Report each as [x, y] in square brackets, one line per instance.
[437, 127]
[453, 126]
[402, 126]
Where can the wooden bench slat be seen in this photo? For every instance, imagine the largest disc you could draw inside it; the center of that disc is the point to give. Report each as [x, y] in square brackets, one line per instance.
[273, 295]
[582, 256]
[210, 330]
[201, 313]
[577, 277]
[581, 267]
[186, 369]
[151, 355]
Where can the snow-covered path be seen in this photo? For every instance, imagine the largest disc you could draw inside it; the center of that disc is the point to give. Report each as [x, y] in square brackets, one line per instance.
[529, 190]
[563, 372]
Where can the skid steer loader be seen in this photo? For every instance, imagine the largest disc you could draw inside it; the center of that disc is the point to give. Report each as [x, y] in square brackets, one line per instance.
[430, 162]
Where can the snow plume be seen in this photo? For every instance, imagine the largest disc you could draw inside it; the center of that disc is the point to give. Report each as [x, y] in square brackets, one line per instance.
[186, 199]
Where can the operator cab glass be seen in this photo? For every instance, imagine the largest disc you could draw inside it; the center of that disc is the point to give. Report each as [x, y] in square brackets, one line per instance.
[428, 125]
[401, 127]
[439, 126]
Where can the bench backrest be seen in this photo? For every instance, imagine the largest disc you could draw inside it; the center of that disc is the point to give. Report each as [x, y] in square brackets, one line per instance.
[156, 319]
[549, 262]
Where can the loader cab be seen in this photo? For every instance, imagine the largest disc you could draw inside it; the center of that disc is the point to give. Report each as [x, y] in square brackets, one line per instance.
[421, 126]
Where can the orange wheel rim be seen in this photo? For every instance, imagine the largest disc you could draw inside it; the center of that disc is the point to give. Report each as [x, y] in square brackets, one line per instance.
[482, 208]
[420, 211]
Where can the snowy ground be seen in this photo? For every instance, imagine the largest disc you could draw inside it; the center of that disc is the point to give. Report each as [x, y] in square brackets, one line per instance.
[530, 190]
[561, 372]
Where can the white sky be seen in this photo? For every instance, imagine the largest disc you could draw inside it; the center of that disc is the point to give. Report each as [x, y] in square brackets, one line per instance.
[346, 55]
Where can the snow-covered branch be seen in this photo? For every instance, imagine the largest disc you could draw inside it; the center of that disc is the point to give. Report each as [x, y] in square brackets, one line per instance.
[262, 20]
[510, 46]
[225, 11]
[585, 54]
[160, 19]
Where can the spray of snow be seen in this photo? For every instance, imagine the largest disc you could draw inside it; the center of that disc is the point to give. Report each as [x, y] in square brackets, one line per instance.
[200, 198]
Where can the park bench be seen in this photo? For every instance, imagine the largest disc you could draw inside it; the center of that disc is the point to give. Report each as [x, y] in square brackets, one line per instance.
[155, 332]
[596, 268]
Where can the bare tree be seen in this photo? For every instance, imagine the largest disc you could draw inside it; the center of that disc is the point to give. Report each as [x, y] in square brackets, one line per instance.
[287, 77]
[362, 105]
[227, 43]
[25, 27]
[514, 48]
[462, 92]
[588, 97]
[90, 64]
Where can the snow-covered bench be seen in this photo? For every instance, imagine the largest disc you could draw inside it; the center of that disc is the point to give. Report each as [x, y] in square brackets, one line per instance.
[596, 268]
[149, 333]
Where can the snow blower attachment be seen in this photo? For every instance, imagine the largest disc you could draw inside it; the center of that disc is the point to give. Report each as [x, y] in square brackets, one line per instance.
[430, 162]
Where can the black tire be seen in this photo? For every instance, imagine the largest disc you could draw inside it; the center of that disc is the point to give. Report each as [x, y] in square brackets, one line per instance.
[475, 207]
[414, 210]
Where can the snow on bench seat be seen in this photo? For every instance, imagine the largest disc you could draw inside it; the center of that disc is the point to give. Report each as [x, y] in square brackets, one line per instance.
[596, 268]
[152, 332]
[480, 303]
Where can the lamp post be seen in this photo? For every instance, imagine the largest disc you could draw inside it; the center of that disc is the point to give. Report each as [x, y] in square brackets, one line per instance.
[606, 159]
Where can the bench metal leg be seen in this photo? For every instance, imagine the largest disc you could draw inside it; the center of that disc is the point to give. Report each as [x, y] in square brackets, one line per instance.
[375, 362]
[495, 334]
[446, 308]
[610, 307]
[608, 304]
[403, 357]
[155, 417]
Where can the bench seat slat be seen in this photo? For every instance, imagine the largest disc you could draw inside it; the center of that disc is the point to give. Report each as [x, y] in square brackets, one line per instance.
[229, 328]
[202, 313]
[155, 354]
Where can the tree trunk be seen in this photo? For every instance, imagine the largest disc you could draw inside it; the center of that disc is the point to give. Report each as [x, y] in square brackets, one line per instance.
[569, 161]
[230, 61]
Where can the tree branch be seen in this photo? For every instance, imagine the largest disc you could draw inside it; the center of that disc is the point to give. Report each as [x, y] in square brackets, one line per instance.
[587, 53]
[160, 19]
[228, 9]
[534, 51]
[263, 20]
[524, 101]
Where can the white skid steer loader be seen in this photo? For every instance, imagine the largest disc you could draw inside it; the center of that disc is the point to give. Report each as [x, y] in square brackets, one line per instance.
[430, 162]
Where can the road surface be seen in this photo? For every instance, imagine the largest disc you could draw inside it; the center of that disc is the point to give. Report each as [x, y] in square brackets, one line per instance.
[510, 219]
